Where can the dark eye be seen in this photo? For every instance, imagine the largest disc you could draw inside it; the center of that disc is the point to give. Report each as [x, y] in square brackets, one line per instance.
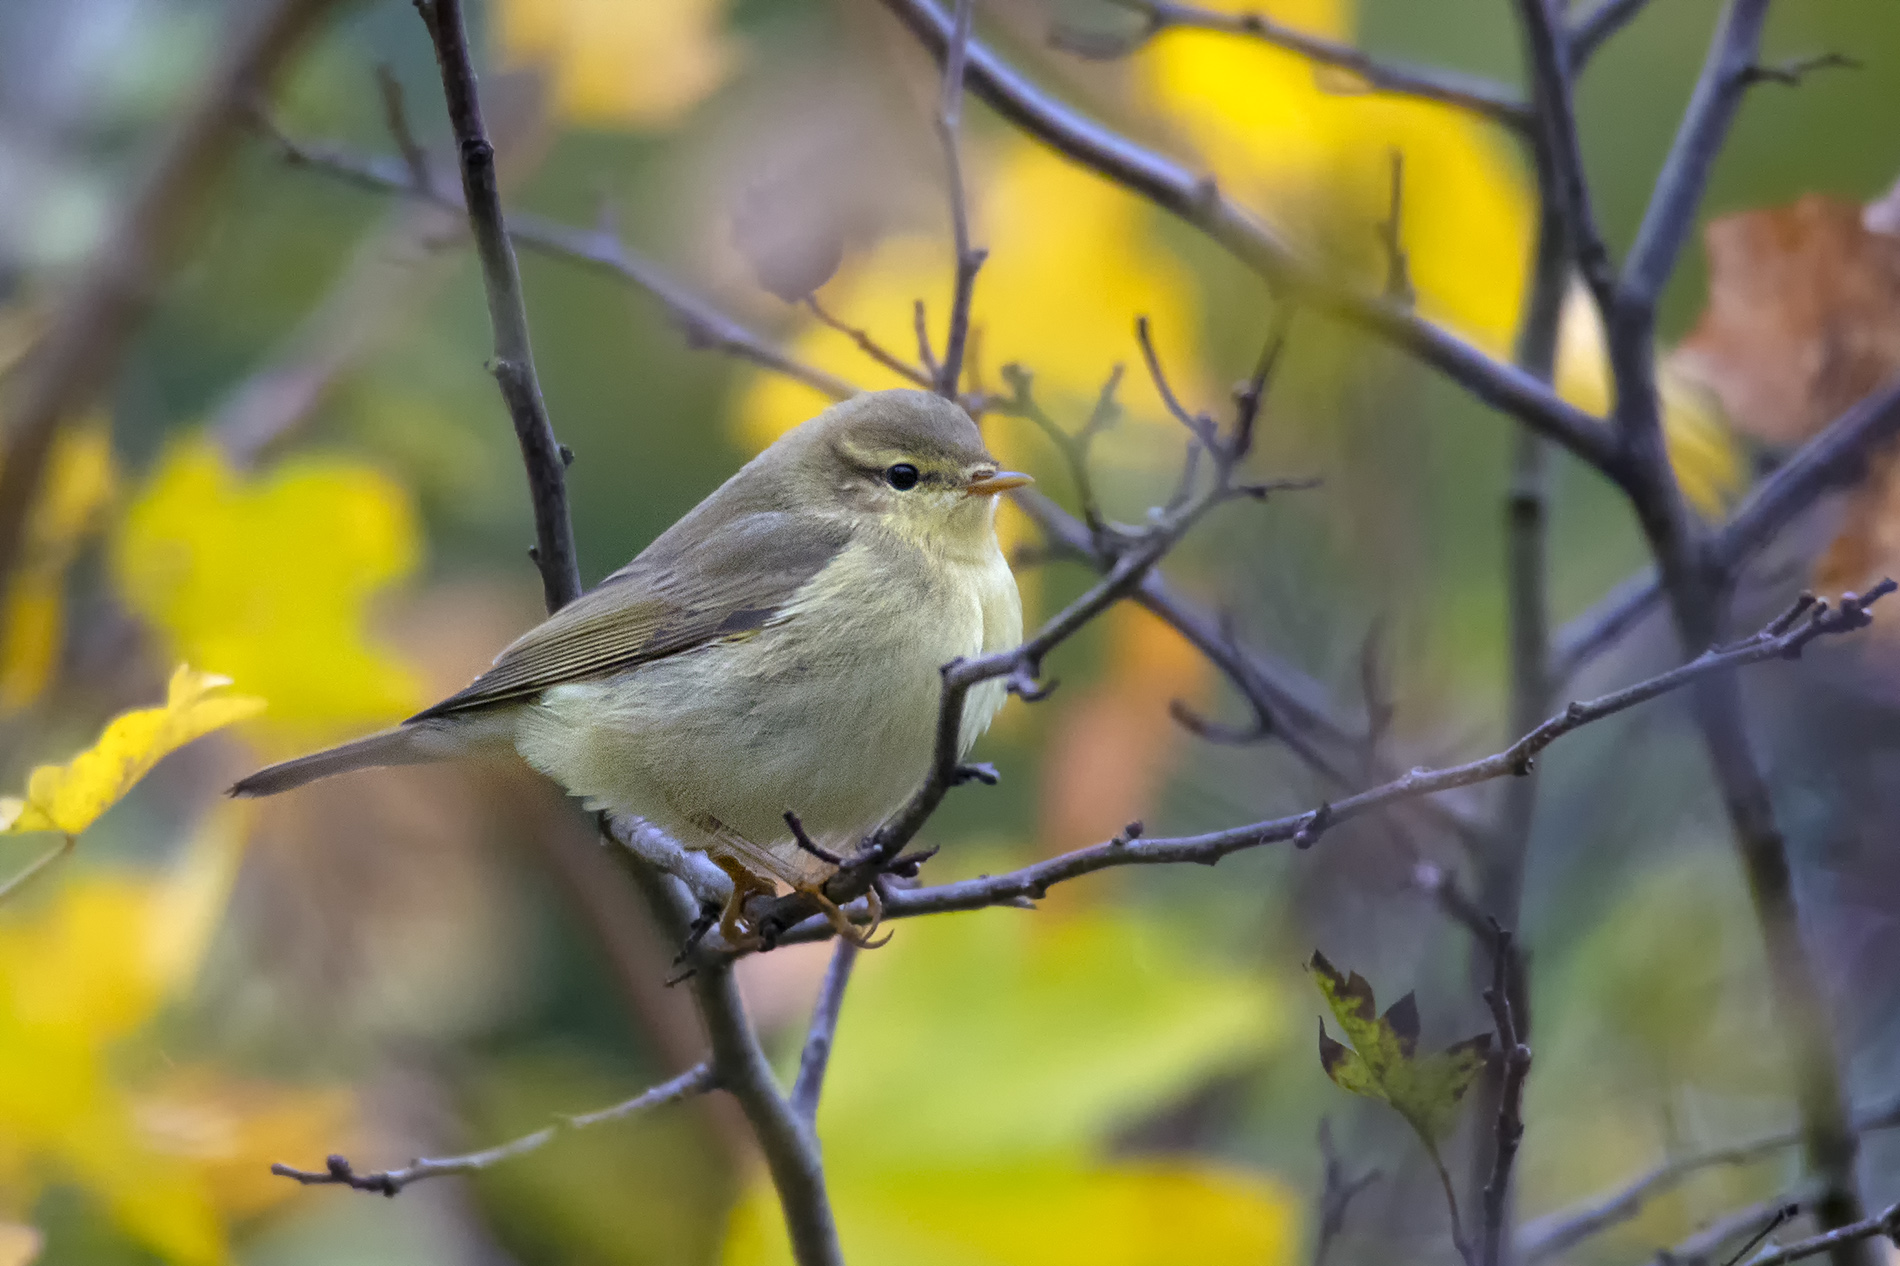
[902, 476]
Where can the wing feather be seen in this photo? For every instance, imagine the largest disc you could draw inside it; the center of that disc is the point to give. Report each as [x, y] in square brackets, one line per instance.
[672, 598]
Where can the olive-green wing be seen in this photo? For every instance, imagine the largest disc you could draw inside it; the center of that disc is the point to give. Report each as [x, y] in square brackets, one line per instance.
[663, 603]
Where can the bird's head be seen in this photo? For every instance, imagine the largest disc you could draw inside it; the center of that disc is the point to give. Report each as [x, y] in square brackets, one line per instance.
[909, 461]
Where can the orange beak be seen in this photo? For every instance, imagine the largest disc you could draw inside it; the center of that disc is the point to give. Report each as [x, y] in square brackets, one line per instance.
[1001, 481]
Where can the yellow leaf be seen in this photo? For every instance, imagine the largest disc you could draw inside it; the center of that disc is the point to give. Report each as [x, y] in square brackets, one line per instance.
[1707, 460]
[268, 580]
[69, 798]
[80, 482]
[616, 63]
[77, 978]
[1317, 161]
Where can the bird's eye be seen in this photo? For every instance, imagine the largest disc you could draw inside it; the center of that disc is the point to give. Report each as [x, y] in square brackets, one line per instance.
[902, 476]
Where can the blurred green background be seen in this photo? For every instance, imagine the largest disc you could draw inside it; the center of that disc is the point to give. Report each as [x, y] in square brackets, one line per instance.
[424, 962]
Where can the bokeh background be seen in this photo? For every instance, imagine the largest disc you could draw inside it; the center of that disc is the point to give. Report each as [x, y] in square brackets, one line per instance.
[300, 476]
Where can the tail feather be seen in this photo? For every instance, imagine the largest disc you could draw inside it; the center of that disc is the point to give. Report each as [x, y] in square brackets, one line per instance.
[391, 747]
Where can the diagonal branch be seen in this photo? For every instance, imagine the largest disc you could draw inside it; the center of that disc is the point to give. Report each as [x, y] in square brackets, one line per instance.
[1556, 121]
[513, 366]
[1198, 200]
[1886, 1224]
[1589, 32]
[738, 1062]
[1481, 97]
[816, 1057]
[1783, 638]
[1557, 1233]
[968, 258]
[703, 324]
[1671, 214]
[338, 1171]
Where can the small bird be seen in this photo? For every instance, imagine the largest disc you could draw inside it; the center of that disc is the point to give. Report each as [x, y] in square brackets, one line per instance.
[776, 650]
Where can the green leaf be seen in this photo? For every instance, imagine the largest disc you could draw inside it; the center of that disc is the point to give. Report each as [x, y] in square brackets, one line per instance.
[1383, 1062]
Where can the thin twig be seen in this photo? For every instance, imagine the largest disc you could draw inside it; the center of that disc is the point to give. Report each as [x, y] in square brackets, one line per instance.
[703, 325]
[1465, 92]
[870, 346]
[1516, 1055]
[1589, 32]
[1705, 124]
[1557, 1233]
[338, 1171]
[968, 258]
[513, 365]
[1337, 1193]
[1886, 1223]
[816, 1057]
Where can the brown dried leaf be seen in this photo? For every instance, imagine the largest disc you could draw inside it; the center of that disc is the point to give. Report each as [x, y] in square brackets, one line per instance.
[1803, 320]
[1803, 316]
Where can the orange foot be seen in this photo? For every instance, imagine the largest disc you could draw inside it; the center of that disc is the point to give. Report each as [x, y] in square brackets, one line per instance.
[733, 928]
[843, 926]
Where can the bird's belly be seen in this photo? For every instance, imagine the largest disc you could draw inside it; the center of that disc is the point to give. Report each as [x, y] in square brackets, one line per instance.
[836, 726]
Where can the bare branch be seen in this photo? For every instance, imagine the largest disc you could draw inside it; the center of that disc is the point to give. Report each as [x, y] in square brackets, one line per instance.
[704, 325]
[1506, 982]
[1836, 456]
[1557, 1233]
[870, 346]
[388, 1182]
[1198, 200]
[513, 366]
[1811, 619]
[786, 1138]
[1589, 32]
[1793, 72]
[1887, 1224]
[1464, 92]
[1556, 121]
[968, 258]
[1337, 1193]
[816, 1057]
[1705, 124]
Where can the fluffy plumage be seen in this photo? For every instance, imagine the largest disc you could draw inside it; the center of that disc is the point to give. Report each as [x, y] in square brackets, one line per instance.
[776, 649]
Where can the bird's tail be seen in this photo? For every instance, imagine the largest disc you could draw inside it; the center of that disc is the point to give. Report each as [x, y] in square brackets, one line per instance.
[403, 746]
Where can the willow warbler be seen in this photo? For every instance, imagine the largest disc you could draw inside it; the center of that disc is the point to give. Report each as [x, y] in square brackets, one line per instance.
[776, 649]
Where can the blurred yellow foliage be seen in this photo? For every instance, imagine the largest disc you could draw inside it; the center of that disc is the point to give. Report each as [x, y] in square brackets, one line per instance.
[268, 579]
[982, 1063]
[79, 484]
[1316, 157]
[1707, 460]
[69, 798]
[616, 63]
[80, 976]
[1071, 265]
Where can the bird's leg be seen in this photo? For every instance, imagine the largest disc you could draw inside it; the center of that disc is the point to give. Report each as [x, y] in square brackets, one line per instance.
[745, 885]
[843, 926]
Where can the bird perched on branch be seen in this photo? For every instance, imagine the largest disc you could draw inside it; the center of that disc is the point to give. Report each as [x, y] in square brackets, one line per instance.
[777, 649]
